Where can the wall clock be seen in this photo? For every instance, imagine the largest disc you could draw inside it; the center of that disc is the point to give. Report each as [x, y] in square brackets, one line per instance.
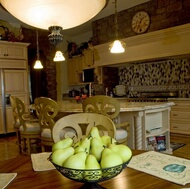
[140, 22]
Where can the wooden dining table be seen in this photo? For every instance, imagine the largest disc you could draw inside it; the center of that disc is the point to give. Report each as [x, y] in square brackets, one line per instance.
[27, 178]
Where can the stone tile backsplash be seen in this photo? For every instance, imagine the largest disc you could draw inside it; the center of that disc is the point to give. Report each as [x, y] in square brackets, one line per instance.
[163, 76]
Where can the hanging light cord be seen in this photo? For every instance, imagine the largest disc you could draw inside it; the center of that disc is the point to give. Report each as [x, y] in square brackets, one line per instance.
[115, 21]
[37, 44]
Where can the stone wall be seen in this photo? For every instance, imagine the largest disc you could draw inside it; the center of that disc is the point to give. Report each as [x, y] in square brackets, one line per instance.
[163, 14]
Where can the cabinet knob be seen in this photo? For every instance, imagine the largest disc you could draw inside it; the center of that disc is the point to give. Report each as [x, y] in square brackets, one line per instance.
[174, 114]
[5, 54]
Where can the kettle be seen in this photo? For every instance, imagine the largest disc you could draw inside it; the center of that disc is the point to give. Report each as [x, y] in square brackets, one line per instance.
[3, 32]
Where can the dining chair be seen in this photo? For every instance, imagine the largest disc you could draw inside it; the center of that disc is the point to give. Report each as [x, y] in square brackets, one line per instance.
[29, 127]
[16, 122]
[109, 107]
[78, 126]
[46, 111]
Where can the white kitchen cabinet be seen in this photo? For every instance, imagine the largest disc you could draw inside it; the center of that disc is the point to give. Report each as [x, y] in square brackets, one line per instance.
[146, 120]
[157, 125]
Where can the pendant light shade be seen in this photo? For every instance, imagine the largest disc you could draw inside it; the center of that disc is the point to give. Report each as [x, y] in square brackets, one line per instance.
[117, 46]
[45, 13]
[38, 64]
[58, 57]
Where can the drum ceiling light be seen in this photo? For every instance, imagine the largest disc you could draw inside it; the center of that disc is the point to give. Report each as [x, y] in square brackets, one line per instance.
[45, 13]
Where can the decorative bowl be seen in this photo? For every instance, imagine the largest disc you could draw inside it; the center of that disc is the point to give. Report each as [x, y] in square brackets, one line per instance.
[90, 178]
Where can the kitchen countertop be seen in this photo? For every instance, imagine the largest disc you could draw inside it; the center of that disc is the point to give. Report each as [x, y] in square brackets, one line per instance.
[182, 99]
[125, 106]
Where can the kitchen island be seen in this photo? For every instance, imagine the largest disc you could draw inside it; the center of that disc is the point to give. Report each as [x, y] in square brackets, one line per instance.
[147, 120]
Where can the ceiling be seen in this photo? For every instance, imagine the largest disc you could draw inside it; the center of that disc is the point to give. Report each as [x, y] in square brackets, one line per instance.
[86, 27]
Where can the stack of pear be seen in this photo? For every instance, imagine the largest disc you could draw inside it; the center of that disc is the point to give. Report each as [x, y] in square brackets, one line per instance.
[93, 152]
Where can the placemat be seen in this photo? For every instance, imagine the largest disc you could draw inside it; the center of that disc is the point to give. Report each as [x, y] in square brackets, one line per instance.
[40, 161]
[164, 166]
[6, 178]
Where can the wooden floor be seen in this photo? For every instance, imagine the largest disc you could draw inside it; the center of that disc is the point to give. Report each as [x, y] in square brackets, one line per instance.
[9, 148]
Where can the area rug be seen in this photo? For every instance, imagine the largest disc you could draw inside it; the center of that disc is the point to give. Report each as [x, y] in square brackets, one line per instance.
[176, 146]
[167, 167]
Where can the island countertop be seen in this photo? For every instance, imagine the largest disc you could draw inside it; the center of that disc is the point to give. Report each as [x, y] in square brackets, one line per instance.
[125, 106]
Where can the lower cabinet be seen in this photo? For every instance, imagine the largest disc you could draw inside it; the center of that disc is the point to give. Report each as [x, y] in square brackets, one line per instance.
[180, 116]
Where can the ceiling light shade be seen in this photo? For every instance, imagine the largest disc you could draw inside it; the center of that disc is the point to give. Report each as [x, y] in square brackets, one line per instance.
[117, 47]
[38, 65]
[58, 56]
[45, 13]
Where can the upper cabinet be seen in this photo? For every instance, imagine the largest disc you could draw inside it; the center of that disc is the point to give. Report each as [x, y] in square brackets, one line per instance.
[13, 50]
[13, 55]
[74, 70]
[88, 58]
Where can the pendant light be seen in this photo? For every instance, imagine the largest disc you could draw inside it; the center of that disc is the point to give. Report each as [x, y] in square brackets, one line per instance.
[58, 57]
[117, 46]
[55, 38]
[38, 64]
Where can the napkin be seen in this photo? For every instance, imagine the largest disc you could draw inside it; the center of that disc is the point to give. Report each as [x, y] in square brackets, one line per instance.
[171, 168]
[40, 162]
[6, 178]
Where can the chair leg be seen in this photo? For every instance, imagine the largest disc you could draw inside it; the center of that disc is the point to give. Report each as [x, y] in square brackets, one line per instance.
[28, 146]
[19, 141]
[43, 148]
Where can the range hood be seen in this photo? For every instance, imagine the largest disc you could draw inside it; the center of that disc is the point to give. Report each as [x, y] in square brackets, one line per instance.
[162, 44]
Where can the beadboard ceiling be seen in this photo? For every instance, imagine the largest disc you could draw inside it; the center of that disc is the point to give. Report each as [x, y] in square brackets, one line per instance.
[86, 27]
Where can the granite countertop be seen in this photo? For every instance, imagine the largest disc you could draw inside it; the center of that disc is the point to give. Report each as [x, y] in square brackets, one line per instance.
[182, 99]
[125, 106]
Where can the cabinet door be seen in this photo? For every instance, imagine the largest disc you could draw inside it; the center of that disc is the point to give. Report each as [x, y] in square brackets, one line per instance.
[14, 51]
[74, 67]
[1, 121]
[9, 119]
[88, 58]
[16, 81]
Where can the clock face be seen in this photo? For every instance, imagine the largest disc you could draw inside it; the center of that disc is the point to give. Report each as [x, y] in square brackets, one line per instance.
[140, 22]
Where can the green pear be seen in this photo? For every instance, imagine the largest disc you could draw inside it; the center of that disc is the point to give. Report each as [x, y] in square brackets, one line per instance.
[92, 164]
[84, 146]
[94, 133]
[110, 159]
[96, 148]
[106, 140]
[60, 155]
[67, 142]
[76, 161]
[122, 150]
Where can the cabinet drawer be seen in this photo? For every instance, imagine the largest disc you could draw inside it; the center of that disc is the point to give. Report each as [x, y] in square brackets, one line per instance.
[180, 127]
[22, 64]
[180, 115]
